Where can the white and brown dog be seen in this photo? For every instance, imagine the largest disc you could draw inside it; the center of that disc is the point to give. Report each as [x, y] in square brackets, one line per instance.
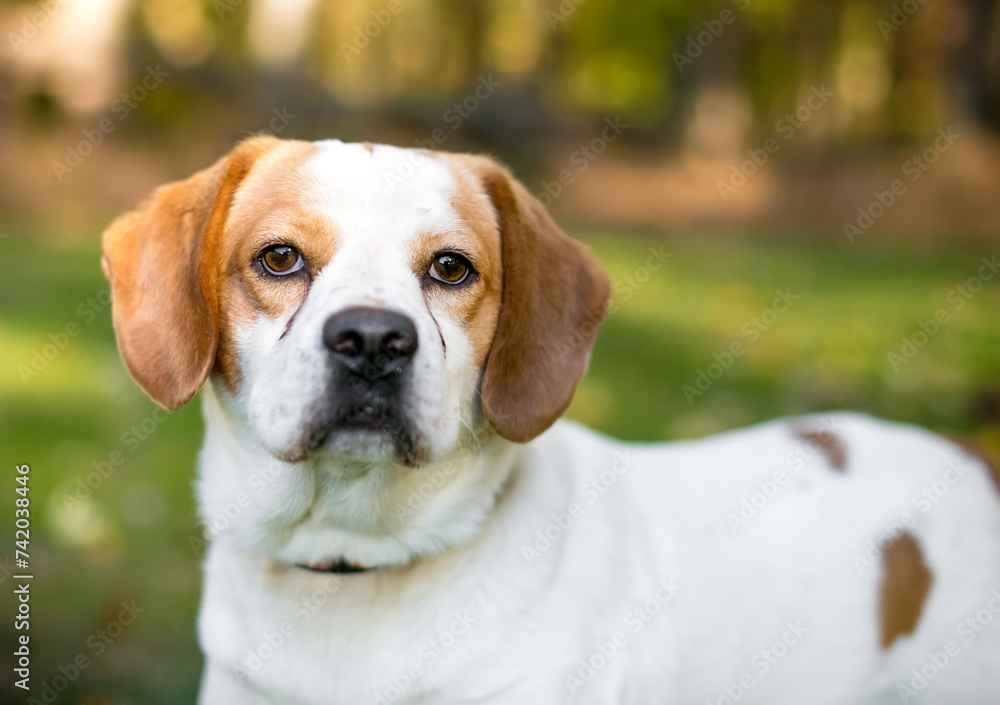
[396, 515]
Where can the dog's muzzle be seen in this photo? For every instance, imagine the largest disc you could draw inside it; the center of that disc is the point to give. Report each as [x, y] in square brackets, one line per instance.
[371, 351]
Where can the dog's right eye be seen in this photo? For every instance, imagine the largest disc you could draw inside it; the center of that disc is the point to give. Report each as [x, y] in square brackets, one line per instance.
[450, 268]
[280, 260]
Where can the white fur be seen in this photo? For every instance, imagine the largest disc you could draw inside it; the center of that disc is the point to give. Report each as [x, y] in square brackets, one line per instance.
[473, 606]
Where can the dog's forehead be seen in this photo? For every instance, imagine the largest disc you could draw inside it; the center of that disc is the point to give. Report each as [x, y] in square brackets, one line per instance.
[380, 191]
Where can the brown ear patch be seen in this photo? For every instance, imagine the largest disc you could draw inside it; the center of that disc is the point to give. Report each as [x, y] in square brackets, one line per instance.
[554, 299]
[161, 261]
[906, 583]
[827, 442]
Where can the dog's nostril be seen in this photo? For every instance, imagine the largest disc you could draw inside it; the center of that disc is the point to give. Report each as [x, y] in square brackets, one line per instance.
[347, 343]
[367, 339]
[399, 344]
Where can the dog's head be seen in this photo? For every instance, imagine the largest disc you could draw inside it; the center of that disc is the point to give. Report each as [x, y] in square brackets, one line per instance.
[369, 304]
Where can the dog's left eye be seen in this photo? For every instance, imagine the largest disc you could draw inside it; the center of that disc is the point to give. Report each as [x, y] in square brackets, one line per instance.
[280, 260]
[450, 268]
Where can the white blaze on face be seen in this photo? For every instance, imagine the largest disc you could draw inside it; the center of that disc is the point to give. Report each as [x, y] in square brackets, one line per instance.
[378, 218]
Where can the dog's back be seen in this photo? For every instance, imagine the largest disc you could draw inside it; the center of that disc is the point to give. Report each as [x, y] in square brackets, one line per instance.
[814, 560]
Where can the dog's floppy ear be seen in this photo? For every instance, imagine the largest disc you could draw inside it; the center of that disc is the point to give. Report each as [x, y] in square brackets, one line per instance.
[162, 262]
[554, 299]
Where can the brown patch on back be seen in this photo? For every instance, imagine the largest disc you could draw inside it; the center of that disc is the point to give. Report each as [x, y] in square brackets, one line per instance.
[369, 146]
[906, 583]
[831, 445]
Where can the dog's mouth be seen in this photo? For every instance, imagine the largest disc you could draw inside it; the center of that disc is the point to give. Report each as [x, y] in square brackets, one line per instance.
[366, 419]
[368, 430]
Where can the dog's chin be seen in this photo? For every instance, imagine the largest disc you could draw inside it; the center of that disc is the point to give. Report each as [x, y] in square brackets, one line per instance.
[359, 445]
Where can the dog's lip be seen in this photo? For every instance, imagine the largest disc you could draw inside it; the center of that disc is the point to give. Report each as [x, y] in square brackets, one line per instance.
[362, 420]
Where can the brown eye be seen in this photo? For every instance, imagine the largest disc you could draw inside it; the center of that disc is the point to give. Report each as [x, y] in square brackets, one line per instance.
[280, 260]
[450, 268]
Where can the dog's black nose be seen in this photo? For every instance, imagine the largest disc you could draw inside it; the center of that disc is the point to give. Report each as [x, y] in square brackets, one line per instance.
[371, 342]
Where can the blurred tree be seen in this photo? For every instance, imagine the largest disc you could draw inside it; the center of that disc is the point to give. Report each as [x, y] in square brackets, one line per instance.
[980, 62]
[898, 67]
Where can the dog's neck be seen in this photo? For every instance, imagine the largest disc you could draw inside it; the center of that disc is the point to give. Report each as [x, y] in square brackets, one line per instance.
[318, 512]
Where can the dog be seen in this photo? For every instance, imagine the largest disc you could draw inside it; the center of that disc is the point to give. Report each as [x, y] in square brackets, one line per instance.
[386, 340]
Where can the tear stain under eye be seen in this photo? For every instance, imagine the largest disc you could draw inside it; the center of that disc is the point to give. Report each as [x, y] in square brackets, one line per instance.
[444, 345]
[288, 326]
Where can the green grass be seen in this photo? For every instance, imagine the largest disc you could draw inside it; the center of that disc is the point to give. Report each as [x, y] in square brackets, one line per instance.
[829, 350]
[130, 538]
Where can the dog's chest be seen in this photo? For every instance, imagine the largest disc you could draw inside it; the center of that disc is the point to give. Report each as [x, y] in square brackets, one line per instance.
[325, 639]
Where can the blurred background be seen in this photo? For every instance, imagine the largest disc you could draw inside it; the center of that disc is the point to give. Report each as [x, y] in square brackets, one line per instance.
[840, 155]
